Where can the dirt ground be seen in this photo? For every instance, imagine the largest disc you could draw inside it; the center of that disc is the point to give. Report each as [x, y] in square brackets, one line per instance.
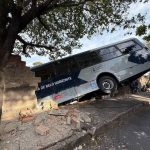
[47, 130]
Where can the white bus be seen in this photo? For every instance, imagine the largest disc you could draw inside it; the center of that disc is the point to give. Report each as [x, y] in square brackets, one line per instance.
[101, 68]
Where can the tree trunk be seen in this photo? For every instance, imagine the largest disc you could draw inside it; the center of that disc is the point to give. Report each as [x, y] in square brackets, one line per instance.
[2, 92]
[3, 63]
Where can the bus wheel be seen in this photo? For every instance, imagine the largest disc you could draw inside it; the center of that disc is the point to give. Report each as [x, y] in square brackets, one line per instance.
[107, 84]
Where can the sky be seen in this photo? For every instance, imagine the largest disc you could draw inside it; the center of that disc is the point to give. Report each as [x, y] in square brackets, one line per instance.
[101, 40]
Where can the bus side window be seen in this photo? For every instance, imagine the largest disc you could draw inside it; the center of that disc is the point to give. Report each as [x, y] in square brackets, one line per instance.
[65, 66]
[129, 46]
[109, 53]
[72, 65]
[61, 68]
[87, 59]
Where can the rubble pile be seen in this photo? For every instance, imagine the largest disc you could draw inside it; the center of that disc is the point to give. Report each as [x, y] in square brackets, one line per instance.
[40, 128]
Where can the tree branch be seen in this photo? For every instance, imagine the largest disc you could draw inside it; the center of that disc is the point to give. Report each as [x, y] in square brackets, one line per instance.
[42, 23]
[25, 44]
[44, 8]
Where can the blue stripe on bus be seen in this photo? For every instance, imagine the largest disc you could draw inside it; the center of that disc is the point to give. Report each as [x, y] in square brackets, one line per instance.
[48, 87]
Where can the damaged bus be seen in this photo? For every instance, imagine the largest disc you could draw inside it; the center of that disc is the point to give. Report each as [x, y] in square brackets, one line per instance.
[101, 68]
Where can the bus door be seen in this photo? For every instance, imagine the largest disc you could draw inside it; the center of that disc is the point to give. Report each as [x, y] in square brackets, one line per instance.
[85, 78]
[64, 82]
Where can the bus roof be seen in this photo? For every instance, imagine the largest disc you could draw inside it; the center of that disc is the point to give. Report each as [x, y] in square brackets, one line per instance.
[39, 67]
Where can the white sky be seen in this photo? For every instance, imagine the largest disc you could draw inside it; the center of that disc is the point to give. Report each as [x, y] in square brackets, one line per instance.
[101, 40]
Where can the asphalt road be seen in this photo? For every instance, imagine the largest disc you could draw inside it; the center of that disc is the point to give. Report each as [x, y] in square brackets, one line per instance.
[134, 134]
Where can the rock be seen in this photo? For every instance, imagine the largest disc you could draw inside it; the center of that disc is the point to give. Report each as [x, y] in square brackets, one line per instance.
[40, 118]
[75, 117]
[46, 105]
[68, 120]
[73, 113]
[74, 102]
[25, 126]
[64, 112]
[80, 147]
[92, 131]
[76, 122]
[11, 127]
[61, 112]
[42, 130]
[1, 129]
[27, 119]
[7, 142]
[25, 113]
[54, 105]
[85, 117]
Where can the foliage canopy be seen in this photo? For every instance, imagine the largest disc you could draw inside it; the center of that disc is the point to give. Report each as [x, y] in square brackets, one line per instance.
[54, 27]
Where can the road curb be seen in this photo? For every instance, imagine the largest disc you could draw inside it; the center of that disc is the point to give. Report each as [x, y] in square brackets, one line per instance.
[78, 139]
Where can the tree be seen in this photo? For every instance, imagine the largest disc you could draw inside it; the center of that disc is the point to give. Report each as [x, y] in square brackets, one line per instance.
[55, 26]
[144, 32]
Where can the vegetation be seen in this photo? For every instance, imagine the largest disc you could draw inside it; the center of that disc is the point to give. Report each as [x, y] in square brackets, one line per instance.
[144, 31]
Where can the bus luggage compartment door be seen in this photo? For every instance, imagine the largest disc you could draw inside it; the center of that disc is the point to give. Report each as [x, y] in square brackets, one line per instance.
[64, 89]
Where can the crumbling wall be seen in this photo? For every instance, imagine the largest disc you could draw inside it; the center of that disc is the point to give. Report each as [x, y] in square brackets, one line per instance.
[20, 85]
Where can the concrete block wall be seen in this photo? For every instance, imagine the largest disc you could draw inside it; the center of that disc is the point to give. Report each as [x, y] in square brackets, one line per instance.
[20, 85]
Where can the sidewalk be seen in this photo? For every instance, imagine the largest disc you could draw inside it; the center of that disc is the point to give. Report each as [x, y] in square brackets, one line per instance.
[63, 128]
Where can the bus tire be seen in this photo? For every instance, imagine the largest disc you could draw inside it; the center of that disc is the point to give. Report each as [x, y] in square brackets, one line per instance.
[107, 84]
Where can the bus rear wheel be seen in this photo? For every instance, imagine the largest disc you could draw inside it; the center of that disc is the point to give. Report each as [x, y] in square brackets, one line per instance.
[107, 84]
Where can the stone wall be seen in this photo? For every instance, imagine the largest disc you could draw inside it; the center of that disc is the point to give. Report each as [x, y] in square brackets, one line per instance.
[20, 85]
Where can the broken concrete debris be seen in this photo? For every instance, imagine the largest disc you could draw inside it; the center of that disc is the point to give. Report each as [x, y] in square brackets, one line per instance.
[11, 126]
[42, 130]
[80, 147]
[55, 131]
[48, 105]
[25, 115]
[60, 112]
[40, 118]
[68, 120]
[54, 105]
[85, 117]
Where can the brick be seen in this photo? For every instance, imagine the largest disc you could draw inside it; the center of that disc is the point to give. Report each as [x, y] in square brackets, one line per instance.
[42, 130]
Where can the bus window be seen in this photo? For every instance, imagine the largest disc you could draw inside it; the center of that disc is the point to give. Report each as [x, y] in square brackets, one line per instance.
[61, 68]
[65, 66]
[87, 59]
[129, 46]
[72, 65]
[109, 53]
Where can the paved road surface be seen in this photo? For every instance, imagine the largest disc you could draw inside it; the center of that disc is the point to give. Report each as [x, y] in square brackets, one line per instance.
[134, 134]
